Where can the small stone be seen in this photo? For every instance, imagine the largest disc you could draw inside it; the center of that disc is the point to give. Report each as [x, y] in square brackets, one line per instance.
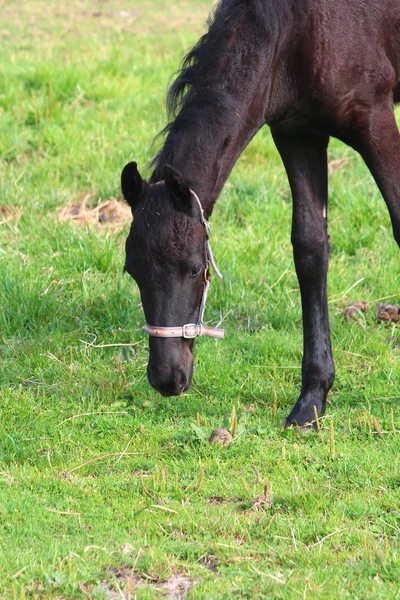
[126, 548]
[221, 436]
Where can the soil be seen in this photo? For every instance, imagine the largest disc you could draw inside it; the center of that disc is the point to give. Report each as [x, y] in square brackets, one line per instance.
[109, 212]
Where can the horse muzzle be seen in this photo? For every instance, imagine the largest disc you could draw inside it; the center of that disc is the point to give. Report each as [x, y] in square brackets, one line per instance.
[170, 370]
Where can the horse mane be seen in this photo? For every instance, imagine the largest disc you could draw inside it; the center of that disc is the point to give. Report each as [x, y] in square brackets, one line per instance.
[263, 17]
[235, 28]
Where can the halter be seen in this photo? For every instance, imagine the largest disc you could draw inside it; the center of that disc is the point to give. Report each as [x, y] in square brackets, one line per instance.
[193, 330]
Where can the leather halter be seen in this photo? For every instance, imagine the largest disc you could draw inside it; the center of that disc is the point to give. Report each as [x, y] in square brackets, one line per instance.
[193, 330]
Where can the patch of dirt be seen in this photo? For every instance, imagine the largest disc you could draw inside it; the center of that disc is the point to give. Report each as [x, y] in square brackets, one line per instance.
[176, 587]
[112, 213]
[216, 500]
[209, 562]
[10, 214]
[262, 502]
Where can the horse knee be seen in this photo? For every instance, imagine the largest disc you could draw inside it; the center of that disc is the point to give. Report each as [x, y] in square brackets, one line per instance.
[310, 256]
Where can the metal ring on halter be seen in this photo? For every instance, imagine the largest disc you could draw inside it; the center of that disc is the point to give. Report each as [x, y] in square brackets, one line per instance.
[192, 330]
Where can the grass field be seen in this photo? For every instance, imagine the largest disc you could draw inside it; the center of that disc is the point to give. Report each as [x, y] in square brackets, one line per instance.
[108, 490]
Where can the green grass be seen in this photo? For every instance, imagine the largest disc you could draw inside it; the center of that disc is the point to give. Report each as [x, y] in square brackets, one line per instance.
[82, 90]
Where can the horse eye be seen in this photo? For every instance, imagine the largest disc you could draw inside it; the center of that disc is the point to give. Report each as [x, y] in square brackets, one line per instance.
[197, 269]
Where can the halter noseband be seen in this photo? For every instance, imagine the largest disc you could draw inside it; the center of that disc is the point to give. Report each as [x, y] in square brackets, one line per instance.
[193, 330]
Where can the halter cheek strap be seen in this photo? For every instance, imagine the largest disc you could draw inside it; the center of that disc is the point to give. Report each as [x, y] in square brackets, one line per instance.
[193, 330]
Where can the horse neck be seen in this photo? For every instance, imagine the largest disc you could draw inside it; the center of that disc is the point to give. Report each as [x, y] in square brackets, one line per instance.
[205, 151]
[222, 109]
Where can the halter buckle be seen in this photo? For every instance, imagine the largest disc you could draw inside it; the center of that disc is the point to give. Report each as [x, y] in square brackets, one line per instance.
[186, 334]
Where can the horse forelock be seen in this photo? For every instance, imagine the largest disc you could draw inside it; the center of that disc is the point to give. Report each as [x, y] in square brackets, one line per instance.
[160, 229]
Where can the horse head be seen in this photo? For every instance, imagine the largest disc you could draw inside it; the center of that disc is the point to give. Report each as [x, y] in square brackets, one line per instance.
[168, 254]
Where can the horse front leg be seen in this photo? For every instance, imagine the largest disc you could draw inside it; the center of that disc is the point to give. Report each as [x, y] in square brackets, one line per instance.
[305, 160]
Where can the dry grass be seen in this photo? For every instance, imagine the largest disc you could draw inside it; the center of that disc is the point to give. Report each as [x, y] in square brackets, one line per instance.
[10, 214]
[108, 213]
[126, 582]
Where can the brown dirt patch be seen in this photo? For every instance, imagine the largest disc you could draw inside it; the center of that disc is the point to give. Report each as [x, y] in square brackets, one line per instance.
[176, 587]
[262, 502]
[209, 562]
[10, 214]
[108, 213]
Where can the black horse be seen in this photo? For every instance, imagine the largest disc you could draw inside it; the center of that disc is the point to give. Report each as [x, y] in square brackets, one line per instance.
[308, 69]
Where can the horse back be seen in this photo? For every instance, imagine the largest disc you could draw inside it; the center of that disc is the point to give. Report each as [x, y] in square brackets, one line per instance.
[341, 55]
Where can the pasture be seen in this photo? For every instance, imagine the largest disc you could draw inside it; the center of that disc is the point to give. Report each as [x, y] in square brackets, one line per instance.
[108, 490]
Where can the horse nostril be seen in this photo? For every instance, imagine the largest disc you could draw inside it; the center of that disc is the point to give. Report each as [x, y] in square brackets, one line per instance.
[181, 381]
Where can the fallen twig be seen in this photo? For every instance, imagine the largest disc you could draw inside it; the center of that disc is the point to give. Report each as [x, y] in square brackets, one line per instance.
[321, 541]
[91, 345]
[123, 412]
[111, 455]
[170, 510]
[343, 296]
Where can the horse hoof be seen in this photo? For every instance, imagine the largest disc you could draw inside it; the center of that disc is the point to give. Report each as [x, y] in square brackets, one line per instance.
[305, 429]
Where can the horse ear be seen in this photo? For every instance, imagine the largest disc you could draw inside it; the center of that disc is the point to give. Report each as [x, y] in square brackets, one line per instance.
[178, 190]
[132, 184]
